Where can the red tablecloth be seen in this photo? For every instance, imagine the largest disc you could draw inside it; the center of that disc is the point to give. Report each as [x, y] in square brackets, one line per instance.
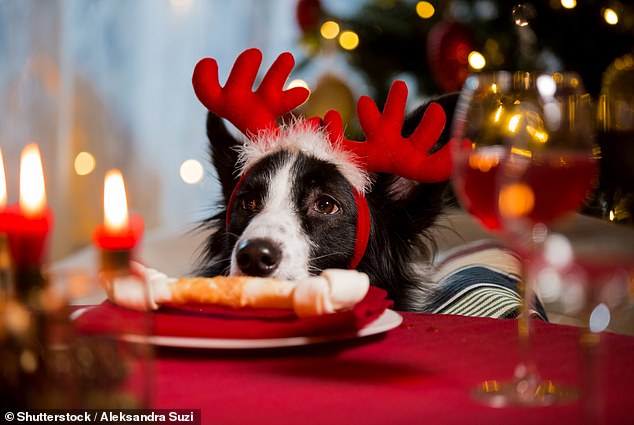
[419, 373]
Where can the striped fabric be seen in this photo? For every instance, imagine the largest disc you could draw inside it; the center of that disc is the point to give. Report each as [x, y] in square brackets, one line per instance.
[480, 279]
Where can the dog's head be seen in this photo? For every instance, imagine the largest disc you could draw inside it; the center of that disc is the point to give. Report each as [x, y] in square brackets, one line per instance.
[299, 198]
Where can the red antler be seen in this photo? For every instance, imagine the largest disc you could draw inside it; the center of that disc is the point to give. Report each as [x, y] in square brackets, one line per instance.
[249, 111]
[385, 149]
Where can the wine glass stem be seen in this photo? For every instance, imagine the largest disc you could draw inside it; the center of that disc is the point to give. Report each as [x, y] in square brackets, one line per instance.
[527, 379]
[591, 402]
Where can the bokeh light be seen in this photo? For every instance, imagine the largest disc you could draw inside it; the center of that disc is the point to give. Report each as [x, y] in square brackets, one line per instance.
[329, 30]
[84, 164]
[599, 318]
[425, 9]
[569, 4]
[349, 40]
[476, 60]
[192, 171]
[516, 200]
[610, 16]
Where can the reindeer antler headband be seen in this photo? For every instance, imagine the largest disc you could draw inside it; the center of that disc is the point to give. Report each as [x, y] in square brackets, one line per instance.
[385, 150]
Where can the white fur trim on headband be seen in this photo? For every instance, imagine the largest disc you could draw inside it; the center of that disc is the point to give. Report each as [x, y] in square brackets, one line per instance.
[300, 136]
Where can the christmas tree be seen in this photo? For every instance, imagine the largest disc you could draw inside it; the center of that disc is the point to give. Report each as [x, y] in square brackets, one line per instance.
[434, 40]
[437, 44]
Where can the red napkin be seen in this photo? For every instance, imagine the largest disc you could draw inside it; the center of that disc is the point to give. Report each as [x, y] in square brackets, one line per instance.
[220, 322]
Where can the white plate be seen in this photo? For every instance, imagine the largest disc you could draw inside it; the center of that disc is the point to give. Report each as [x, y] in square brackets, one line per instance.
[388, 320]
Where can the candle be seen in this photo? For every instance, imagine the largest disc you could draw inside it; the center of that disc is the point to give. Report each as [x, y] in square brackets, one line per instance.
[3, 184]
[5, 216]
[119, 233]
[29, 222]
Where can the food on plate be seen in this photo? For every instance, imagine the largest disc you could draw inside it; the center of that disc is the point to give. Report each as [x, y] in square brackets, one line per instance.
[333, 290]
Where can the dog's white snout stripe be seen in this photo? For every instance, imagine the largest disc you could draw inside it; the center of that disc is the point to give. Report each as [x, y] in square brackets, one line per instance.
[279, 223]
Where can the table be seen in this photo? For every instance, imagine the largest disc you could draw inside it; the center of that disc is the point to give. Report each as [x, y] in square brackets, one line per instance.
[421, 372]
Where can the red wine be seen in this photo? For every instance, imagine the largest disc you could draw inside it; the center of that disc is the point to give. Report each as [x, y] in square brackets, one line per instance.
[475, 181]
[558, 182]
[551, 185]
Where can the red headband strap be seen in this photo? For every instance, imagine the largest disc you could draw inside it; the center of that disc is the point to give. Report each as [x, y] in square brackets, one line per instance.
[363, 222]
[232, 198]
[363, 229]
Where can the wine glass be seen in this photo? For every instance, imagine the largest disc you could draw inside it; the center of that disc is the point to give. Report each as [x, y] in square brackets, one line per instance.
[522, 153]
[586, 271]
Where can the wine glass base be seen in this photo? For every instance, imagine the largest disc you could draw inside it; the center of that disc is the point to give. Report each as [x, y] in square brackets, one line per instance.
[520, 393]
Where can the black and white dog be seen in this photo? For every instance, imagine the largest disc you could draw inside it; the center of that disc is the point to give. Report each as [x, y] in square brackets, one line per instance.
[292, 203]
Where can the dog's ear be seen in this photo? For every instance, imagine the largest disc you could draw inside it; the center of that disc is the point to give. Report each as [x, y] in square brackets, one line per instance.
[400, 188]
[224, 153]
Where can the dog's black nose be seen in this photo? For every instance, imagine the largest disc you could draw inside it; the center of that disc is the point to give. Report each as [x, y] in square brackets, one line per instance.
[258, 257]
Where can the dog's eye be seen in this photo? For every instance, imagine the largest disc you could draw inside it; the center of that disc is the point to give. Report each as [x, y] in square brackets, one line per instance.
[249, 204]
[326, 205]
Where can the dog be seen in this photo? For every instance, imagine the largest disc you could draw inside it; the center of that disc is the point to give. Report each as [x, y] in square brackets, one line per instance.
[298, 198]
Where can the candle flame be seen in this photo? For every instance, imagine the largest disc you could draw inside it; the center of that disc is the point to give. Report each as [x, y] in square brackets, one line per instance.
[115, 203]
[32, 191]
[3, 183]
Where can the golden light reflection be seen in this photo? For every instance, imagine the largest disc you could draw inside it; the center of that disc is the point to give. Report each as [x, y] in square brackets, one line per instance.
[349, 40]
[115, 203]
[537, 134]
[514, 122]
[483, 162]
[516, 200]
[32, 192]
[521, 152]
[498, 113]
[329, 30]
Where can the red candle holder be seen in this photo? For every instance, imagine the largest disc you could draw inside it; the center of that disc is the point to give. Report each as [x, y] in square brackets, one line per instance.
[28, 235]
[117, 246]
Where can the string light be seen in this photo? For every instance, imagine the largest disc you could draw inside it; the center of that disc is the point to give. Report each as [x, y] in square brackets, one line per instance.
[569, 4]
[425, 9]
[192, 171]
[84, 163]
[329, 30]
[476, 60]
[349, 40]
[610, 16]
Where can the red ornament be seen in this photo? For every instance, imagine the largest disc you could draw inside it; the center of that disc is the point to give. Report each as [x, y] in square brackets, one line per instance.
[448, 48]
[308, 13]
